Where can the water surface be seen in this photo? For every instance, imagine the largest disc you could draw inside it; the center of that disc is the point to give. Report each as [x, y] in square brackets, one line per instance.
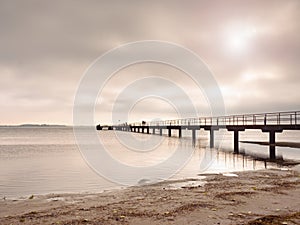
[45, 160]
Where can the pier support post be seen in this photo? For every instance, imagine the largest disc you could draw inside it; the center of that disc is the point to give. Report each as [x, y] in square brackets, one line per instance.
[153, 131]
[194, 137]
[272, 142]
[170, 132]
[211, 130]
[179, 132]
[147, 130]
[236, 130]
[236, 142]
[212, 138]
[272, 145]
[160, 131]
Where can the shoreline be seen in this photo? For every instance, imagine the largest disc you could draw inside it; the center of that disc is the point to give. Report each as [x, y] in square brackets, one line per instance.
[251, 197]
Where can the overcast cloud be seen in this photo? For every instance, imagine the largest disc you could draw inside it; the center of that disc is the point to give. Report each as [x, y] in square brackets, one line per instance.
[252, 48]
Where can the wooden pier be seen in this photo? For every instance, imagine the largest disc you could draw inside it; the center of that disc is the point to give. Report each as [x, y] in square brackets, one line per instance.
[266, 122]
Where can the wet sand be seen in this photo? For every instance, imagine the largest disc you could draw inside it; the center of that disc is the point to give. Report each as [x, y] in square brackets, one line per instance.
[253, 197]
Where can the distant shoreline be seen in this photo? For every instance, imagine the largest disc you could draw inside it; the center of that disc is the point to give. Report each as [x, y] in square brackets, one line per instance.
[45, 125]
[34, 125]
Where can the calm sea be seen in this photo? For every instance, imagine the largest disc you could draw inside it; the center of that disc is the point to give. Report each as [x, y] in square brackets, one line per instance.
[43, 160]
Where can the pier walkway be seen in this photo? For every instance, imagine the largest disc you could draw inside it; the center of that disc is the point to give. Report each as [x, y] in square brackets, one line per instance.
[272, 123]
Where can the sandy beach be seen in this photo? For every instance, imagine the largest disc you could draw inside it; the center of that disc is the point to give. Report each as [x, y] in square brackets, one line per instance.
[251, 197]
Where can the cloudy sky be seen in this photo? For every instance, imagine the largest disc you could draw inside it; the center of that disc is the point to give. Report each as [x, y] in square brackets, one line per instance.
[252, 48]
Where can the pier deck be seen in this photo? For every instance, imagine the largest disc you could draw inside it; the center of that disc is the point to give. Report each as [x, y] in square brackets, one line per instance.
[272, 123]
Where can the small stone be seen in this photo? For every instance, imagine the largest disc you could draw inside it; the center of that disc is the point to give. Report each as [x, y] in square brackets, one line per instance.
[171, 218]
[284, 223]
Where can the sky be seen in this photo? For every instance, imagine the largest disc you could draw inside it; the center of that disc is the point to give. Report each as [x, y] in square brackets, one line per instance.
[251, 47]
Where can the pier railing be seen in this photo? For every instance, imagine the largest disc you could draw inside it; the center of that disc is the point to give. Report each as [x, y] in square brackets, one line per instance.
[274, 118]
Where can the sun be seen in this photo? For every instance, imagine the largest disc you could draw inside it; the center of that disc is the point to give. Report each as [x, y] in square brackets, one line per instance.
[239, 39]
[249, 76]
[238, 42]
